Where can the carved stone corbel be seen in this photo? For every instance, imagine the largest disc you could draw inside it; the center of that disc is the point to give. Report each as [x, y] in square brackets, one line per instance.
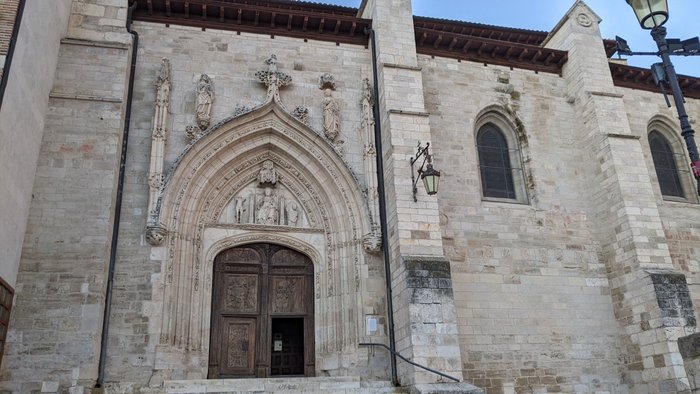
[155, 235]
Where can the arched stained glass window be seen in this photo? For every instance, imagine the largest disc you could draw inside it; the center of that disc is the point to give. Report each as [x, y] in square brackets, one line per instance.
[495, 163]
[665, 164]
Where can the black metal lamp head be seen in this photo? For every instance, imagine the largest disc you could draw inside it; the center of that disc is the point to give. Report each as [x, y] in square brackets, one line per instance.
[431, 179]
[429, 175]
[650, 13]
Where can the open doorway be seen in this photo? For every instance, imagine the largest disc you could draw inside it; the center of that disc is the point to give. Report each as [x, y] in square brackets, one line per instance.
[287, 347]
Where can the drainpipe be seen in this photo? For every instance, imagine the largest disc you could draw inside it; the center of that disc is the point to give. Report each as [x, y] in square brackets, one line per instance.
[118, 202]
[11, 49]
[382, 212]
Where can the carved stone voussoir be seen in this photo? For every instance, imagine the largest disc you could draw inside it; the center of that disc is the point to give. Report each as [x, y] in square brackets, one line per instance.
[155, 235]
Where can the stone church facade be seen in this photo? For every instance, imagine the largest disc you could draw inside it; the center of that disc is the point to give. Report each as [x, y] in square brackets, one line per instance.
[197, 204]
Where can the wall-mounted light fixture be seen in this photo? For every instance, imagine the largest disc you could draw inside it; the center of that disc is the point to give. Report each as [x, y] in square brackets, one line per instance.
[652, 14]
[430, 176]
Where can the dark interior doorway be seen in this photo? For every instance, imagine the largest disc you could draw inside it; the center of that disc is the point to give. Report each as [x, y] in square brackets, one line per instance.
[287, 347]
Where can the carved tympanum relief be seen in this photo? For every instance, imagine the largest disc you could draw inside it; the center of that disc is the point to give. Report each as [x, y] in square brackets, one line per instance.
[265, 201]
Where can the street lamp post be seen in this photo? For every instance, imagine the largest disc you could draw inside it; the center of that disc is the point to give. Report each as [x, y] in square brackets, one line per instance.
[652, 14]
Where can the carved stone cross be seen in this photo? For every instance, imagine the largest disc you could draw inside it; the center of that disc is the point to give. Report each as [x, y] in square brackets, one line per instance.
[273, 79]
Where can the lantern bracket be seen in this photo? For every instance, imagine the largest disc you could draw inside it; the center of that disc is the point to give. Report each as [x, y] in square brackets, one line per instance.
[425, 169]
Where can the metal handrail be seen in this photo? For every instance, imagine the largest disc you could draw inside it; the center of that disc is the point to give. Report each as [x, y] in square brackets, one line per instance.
[409, 361]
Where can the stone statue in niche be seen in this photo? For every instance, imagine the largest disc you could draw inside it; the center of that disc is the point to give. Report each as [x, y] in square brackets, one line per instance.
[292, 213]
[205, 98]
[331, 108]
[163, 84]
[240, 210]
[331, 116]
[272, 63]
[267, 174]
[267, 207]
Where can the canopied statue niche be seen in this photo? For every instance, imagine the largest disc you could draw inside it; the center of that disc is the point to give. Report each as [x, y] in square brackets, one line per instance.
[265, 201]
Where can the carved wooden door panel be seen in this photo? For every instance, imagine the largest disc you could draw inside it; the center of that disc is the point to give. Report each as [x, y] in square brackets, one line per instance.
[258, 289]
[237, 355]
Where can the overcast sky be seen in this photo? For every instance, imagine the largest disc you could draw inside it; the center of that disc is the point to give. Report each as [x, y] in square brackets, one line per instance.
[618, 19]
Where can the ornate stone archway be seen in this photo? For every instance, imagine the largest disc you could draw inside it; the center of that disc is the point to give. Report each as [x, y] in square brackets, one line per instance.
[208, 176]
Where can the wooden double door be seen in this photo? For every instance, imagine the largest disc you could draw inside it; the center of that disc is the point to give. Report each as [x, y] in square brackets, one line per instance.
[262, 321]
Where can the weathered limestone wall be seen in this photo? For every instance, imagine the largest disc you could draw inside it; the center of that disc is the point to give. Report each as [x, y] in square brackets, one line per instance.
[424, 311]
[533, 300]
[231, 60]
[22, 118]
[55, 328]
[680, 218]
[629, 227]
[533, 282]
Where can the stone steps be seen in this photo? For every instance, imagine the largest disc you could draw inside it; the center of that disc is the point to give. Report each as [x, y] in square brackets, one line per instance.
[324, 385]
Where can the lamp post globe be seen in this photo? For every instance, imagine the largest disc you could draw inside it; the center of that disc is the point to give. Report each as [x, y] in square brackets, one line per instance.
[650, 13]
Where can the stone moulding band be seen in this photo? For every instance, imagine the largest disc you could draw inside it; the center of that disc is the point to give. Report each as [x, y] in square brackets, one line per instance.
[410, 113]
[623, 136]
[257, 227]
[93, 43]
[83, 97]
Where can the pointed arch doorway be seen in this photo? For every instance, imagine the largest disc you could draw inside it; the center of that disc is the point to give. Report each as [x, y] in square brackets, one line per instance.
[262, 320]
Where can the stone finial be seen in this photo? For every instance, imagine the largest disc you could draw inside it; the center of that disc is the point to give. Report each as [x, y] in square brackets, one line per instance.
[273, 79]
[163, 84]
[367, 92]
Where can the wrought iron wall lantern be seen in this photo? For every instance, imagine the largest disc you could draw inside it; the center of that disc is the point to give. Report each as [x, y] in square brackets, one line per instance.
[426, 172]
[652, 15]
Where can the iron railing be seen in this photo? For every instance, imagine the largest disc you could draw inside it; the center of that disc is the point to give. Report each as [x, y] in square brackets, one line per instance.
[410, 362]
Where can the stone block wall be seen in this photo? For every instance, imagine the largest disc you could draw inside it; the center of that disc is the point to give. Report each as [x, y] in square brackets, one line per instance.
[56, 324]
[532, 297]
[22, 117]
